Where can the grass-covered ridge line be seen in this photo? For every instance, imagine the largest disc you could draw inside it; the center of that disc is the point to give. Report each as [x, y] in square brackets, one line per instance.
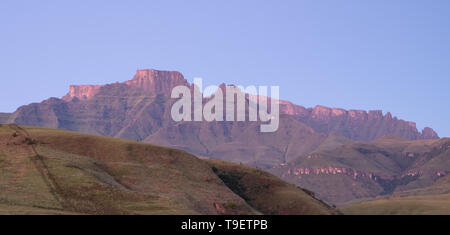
[47, 171]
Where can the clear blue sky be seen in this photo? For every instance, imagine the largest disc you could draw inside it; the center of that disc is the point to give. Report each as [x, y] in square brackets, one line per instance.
[383, 54]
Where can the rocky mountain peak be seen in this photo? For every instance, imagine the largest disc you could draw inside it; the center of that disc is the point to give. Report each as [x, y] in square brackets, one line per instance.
[157, 81]
[428, 133]
[149, 80]
[82, 92]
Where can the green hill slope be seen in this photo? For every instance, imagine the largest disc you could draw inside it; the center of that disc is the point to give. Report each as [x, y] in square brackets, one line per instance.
[267, 193]
[413, 205]
[431, 200]
[46, 171]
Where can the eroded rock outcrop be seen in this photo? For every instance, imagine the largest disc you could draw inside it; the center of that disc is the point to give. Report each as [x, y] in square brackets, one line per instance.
[82, 92]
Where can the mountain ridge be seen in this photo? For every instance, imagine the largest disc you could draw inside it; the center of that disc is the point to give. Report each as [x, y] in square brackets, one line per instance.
[140, 109]
[348, 123]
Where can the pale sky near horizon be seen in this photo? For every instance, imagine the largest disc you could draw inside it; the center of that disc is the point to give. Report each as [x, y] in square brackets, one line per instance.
[352, 54]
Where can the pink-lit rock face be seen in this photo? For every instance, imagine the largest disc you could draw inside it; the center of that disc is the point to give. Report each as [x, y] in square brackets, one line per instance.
[82, 92]
[289, 108]
[155, 81]
[356, 124]
[151, 81]
[338, 112]
[321, 113]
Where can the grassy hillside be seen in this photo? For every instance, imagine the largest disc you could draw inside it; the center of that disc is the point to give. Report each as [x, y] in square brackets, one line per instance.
[413, 205]
[431, 200]
[46, 171]
[441, 186]
[267, 193]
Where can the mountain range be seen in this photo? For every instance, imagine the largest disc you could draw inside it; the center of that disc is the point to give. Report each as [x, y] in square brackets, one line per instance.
[377, 151]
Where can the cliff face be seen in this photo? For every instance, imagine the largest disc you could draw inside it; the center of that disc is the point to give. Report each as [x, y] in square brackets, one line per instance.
[157, 82]
[139, 109]
[82, 92]
[150, 81]
[356, 124]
